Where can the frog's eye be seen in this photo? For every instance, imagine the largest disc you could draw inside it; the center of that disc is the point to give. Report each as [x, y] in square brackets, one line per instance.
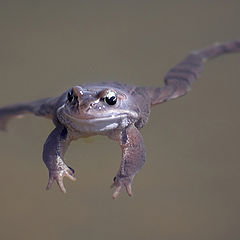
[111, 98]
[70, 96]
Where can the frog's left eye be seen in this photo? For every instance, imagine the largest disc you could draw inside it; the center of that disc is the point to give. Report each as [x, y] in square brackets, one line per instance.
[111, 98]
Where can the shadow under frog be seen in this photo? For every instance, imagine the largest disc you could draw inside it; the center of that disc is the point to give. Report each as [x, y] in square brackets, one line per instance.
[116, 110]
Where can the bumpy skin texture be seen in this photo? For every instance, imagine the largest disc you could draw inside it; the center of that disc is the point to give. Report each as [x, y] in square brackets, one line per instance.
[116, 110]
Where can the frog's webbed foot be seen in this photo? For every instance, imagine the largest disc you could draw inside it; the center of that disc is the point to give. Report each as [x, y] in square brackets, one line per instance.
[120, 183]
[133, 158]
[53, 151]
[58, 176]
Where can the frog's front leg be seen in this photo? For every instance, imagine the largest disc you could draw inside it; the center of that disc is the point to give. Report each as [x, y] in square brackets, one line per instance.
[133, 158]
[53, 152]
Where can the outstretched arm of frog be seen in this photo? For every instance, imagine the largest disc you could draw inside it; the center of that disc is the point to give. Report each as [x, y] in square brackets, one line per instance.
[43, 107]
[133, 158]
[179, 79]
[53, 152]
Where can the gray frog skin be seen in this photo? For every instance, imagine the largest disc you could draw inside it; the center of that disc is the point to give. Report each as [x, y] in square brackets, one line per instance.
[114, 109]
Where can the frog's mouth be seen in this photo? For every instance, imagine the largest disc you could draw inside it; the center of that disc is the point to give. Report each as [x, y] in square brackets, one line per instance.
[101, 123]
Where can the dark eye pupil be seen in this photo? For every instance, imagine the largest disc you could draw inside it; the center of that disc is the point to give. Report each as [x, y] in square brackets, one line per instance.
[111, 101]
[70, 96]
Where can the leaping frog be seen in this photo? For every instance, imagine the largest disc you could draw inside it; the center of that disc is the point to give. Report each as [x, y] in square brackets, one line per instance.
[114, 109]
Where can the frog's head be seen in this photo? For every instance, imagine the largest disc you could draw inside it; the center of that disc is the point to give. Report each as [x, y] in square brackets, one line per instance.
[95, 110]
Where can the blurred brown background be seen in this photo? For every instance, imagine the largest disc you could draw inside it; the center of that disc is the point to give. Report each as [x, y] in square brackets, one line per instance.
[189, 186]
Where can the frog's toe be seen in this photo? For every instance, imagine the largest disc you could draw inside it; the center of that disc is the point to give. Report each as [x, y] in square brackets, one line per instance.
[120, 183]
[58, 176]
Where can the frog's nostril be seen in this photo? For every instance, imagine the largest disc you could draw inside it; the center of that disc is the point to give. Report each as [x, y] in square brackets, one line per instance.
[77, 91]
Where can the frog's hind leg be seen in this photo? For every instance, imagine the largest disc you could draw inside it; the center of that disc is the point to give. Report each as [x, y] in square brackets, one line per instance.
[43, 107]
[5, 116]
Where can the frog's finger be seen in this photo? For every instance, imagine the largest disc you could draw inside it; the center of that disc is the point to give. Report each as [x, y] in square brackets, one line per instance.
[70, 175]
[117, 191]
[61, 185]
[129, 190]
[50, 183]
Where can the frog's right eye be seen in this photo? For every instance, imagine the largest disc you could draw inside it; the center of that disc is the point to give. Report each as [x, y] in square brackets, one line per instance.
[70, 96]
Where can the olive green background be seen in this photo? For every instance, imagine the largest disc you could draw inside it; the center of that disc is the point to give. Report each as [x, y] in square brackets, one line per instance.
[189, 186]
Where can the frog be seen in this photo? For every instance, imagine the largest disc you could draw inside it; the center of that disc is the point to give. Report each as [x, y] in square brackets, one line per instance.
[113, 109]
